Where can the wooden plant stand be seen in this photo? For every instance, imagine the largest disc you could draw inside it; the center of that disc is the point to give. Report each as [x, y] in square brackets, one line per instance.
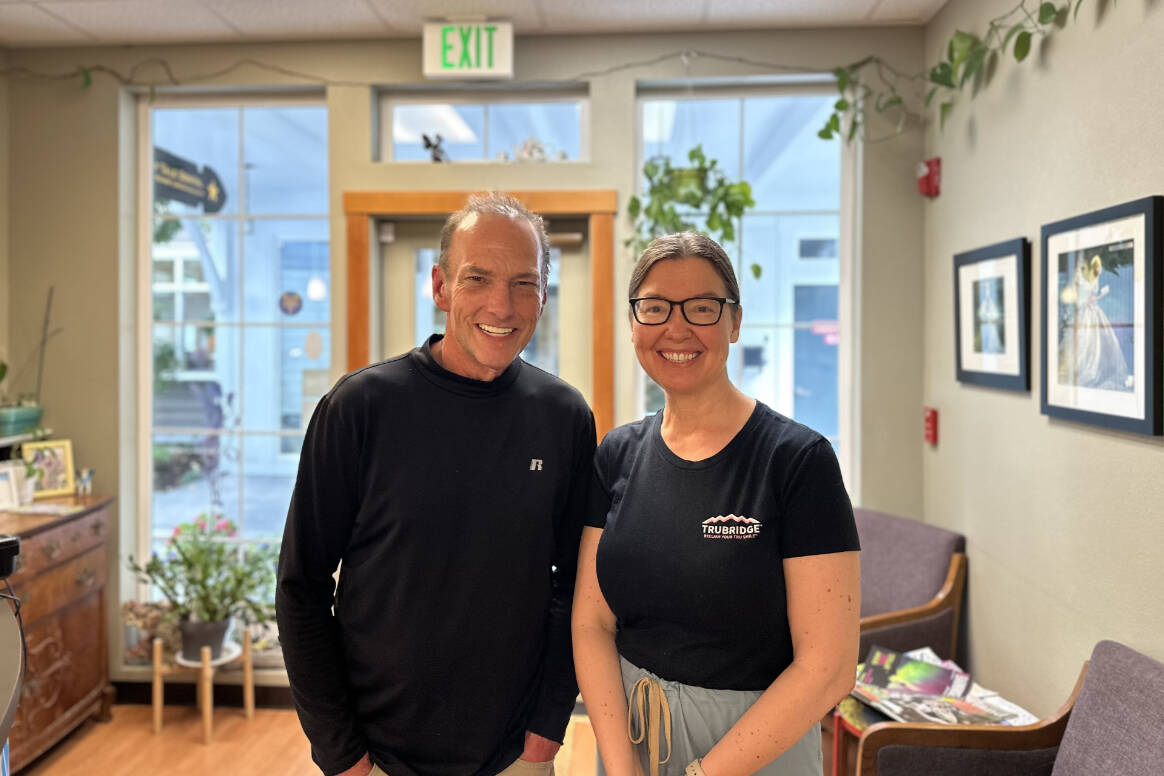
[205, 669]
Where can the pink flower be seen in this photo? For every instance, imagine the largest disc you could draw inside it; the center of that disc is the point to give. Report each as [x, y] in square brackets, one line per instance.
[222, 525]
[177, 530]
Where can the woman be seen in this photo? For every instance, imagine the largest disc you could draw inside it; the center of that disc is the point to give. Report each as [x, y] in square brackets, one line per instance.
[716, 612]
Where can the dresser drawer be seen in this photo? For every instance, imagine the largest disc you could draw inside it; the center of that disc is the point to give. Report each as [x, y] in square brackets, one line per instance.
[48, 548]
[60, 586]
[66, 667]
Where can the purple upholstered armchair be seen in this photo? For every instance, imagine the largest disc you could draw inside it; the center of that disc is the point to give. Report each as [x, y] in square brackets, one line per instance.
[912, 578]
[1112, 725]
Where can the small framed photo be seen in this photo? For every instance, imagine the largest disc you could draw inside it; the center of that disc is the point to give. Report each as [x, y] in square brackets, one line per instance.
[9, 495]
[1101, 320]
[992, 313]
[53, 460]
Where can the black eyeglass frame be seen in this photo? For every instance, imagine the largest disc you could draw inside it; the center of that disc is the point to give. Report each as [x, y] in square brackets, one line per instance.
[723, 300]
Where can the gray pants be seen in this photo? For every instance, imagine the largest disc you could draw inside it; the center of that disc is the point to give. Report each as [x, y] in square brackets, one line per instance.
[701, 717]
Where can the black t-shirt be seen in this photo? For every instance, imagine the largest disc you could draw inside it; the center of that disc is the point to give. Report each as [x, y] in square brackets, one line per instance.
[690, 560]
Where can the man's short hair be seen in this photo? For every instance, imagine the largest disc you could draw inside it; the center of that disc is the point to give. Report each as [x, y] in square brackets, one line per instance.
[498, 204]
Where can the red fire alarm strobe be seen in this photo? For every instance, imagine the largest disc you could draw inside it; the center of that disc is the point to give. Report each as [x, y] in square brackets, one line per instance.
[931, 416]
[929, 177]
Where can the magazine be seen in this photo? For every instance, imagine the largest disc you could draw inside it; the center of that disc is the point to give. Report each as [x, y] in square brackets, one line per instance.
[901, 674]
[918, 687]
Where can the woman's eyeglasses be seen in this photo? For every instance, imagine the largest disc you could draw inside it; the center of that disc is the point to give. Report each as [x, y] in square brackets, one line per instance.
[698, 310]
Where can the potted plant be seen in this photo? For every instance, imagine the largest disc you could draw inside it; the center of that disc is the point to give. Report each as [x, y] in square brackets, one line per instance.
[675, 195]
[17, 415]
[208, 578]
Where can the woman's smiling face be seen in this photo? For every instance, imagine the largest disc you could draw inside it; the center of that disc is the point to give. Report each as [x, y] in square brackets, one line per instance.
[680, 357]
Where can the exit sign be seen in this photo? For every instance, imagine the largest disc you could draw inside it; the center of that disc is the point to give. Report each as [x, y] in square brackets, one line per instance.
[468, 50]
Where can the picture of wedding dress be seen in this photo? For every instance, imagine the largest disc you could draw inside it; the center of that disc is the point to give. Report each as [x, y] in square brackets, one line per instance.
[1089, 351]
[989, 336]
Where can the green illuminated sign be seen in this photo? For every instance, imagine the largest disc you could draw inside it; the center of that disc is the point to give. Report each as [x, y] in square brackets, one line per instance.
[462, 49]
[468, 49]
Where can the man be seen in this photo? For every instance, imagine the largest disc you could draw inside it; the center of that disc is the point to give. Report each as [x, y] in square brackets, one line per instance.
[451, 483]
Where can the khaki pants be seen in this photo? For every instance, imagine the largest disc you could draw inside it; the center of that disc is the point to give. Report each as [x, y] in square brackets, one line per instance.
[519, 767]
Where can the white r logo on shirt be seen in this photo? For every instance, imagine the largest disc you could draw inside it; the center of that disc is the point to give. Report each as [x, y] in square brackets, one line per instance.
[535, 464]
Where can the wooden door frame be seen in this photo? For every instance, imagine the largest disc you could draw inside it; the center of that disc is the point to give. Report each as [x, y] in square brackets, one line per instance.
[598, 206]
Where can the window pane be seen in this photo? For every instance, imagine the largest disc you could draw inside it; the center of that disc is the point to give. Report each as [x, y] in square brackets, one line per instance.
[282, 370]
[777, 243]
[207, 248]
[193, 474]
[204, 138]
[285, 156]
[195, 376]
[287, 271]
[270, 465]
[671, 128]
[461, 129]
[555, 126]
[788, 166]
[814, 363]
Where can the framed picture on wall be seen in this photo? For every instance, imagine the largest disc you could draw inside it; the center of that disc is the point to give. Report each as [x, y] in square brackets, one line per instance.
[1101, 320]
[992, 315]
[53, 460]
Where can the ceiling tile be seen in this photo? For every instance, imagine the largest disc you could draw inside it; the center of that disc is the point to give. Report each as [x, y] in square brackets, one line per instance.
[143, 21]
[407, 16]
[27, 25]
[619, 16]
[279, 18]
[789, 13]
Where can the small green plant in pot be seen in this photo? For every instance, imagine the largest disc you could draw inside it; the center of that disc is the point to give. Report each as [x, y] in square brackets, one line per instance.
[208, 578]
[675, 195]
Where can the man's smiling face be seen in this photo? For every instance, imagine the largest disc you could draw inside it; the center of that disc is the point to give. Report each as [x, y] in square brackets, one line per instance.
[492, 293]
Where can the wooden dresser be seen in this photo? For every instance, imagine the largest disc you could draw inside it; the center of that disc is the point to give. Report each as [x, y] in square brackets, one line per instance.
[60, 577]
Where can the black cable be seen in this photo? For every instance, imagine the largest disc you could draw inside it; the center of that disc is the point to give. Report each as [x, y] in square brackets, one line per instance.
[11, 596]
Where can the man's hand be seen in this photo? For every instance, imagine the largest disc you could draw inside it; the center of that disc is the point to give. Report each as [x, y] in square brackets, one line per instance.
[362, 768]
[538, 749]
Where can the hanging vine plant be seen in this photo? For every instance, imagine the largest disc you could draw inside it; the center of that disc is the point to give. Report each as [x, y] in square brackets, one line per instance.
[873, 86]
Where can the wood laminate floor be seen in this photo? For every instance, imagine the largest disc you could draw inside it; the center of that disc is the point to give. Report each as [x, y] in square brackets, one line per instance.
[271, 744]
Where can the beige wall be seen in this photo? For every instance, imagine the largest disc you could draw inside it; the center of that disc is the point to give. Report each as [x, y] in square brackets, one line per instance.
[65, 162]
[1063, 519]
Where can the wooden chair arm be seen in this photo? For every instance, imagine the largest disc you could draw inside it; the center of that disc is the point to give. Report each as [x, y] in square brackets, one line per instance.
[1038, 735]
[950, 595]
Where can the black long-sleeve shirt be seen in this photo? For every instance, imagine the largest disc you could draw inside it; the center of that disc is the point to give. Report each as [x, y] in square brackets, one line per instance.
[456, 507]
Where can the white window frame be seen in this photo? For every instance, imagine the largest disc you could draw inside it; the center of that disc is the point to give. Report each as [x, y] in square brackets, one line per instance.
[388, 100]
[142, 453]
[847, 214]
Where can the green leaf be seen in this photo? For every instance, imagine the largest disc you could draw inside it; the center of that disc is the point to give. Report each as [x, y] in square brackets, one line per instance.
[892, 101]
[841, 105]
[930, 95]
[757, 270]
[651, 169]
[1015, 30]
[1076, 14]
[960, 46]
[973, 64]
[942, 74]
[86, 78]
[1047, 13]
[842, 74]
[1022, 46]
[835, 122]
[825, 134]
[852, 130]
[634, 207]
[944, 112]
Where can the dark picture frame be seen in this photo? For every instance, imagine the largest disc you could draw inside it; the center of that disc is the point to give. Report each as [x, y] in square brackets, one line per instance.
[1101, 317]
[992, 315]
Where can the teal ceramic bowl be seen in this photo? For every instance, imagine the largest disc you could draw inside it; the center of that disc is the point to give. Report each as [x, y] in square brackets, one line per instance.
[19, 420]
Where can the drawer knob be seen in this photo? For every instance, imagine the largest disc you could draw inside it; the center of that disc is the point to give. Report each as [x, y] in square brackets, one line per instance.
[97, 528]
[86, 577]
[52, 550]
